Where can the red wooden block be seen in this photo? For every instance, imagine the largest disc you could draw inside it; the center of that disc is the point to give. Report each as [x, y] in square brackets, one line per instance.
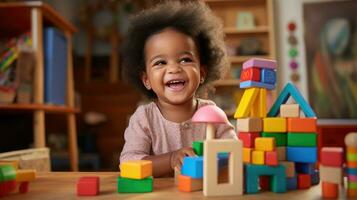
[88, 186]
[329, 190]
[248, 138]
[302, 125]
[250, 74]
[271, 158]
[304, 181]
[7, 187]
[24, 187]
[264, 182]
[332, 156]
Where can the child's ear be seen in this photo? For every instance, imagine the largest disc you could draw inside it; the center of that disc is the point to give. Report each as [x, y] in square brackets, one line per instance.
[145, 80]
[203, 71]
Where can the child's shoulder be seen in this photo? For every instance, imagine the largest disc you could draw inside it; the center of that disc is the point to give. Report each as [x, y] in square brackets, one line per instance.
[145, 109]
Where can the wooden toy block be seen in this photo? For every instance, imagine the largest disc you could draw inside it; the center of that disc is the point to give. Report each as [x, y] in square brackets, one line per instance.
[290, 110]
[235, 168]
[331, 174]
[14, 163]
[24, 187]
[223, 158]
[305, 168]
[248, 138]
[351, 164]
[352, 185]
[127, 185]
[192, 166]
[7, 173]
[304, 181]
[6, 187]
[250, 124]
[264, 183]
[289, 168]
[351, 157]
[268, 76]
[198, 147]
[332, 156]
[352, 193]
[351, 150]
[258, 157]
[265, 144]
[271, 158]
[177, 174]
[247, 155]
[302, 139]
[302, 125]
[23, 175]
[274, 124]
[277, 174]
[291, 183]
[329, 190]
[259, 108]
[223, 175]
[189, 184]
[136, 169]
[254, 84]
[315, 177]
[301, 154]
[250, 74]
[280, 138]
[88, 186]
[352, 171]
[281, 153]
[351, 140]
[246, 103]
[260, 62]
[291, 90]
[352, 178]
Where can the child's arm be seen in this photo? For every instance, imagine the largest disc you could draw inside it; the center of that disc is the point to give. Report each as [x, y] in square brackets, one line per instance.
[165, 163]
[226, 131]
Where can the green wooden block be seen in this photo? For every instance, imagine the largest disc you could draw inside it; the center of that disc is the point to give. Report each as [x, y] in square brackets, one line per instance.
[128, 185]
[280, 138]
[352, 156]
[198, 147]
[352, 185]
[7, 173]
[302, 139]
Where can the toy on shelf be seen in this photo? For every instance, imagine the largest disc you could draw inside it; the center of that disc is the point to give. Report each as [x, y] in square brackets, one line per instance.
[135, 177]
[351, 163]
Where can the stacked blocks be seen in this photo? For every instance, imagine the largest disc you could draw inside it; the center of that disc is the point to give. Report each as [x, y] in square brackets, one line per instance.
[271, 141]
[331, 171]
[135, 177]
[88, 186]
[351, 163]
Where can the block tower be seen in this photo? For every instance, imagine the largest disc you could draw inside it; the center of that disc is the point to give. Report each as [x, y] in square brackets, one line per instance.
[351, 163]
[331, 171]
[135, 177]
[281, 148]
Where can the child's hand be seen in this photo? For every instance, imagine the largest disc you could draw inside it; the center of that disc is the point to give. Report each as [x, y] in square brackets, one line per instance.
[177, 157]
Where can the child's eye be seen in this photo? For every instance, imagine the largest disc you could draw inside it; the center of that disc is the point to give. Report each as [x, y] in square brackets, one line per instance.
[186, 60]
[159, 62]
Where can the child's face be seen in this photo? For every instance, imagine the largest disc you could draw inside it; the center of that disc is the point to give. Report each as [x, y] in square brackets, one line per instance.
[173, 69]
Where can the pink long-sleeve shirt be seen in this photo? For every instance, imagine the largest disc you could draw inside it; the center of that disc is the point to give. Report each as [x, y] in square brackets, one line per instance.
[149, 133]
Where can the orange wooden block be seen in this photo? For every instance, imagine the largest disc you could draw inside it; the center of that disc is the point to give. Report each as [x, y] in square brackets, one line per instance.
[352, 193]
[352, 164]
[188, 184]
[351, 150]
[247, 155]
[329, 190]
[301, 124]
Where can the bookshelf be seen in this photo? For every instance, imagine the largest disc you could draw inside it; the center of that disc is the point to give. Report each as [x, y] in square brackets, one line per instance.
[262, 33]
[34, 16]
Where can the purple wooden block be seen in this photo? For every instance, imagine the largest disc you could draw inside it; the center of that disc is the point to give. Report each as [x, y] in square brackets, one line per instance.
[260, 63]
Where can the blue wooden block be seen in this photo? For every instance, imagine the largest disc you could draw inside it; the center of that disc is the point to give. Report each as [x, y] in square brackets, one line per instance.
[277, 173]
[268, 76]
[193, 167]
[315, 177]
[249, 84]
[352, 171]
[222, 159]
[291, 183]
[291, 90]
[305, 168]
[301, 154]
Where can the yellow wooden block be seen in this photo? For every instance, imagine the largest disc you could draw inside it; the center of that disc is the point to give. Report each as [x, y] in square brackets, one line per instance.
[258, 157]
[136, 169]
[264, 144]
[290, 110]
[245, 104]
[250, 124]
[25, 175]
[14, 163]
[259, 108]
[247, 155]
[274, 124]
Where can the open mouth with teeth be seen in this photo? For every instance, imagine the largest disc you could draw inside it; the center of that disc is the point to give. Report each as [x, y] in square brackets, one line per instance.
[176, 84]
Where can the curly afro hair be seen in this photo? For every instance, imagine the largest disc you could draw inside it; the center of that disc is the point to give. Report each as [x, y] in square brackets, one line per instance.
[192, 18]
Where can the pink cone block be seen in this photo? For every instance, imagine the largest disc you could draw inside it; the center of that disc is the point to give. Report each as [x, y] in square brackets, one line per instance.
[210, 114]
[260, 63]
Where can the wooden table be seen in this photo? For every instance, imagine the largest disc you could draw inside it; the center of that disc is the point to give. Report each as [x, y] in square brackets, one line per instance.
[62, 185]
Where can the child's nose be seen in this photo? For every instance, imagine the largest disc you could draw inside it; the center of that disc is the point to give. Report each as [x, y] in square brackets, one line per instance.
[174, 68]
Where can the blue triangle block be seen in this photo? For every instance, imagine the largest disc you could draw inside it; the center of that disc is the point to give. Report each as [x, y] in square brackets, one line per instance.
[291, 90]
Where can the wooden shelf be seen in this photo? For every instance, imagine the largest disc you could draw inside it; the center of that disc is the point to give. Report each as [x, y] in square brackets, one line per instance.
[241, 59]
[258, 29]
[227, 82]
[33, 107]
